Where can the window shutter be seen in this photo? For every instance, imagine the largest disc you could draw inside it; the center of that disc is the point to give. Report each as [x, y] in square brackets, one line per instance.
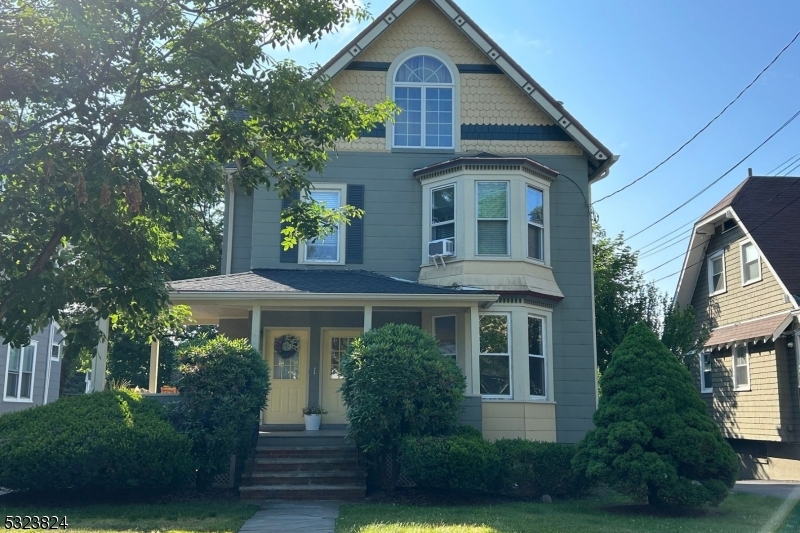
[354, 251]
[290, 255]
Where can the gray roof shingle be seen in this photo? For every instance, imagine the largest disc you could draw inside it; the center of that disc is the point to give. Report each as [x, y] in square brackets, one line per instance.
[316, 281]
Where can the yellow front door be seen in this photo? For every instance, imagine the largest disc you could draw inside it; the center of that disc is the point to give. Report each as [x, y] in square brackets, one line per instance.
[334, 345]
[286, 352]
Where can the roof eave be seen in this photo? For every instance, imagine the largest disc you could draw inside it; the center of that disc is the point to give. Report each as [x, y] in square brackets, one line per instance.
[207, 296]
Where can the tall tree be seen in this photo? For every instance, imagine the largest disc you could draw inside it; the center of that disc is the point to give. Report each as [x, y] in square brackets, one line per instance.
[623, 297]
[116, 115]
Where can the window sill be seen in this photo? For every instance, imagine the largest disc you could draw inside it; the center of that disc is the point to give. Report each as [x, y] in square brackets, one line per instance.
[742, 389]
[16, 400]
[710, 391]
[422, 150]
[717, 293]
[497, 398]
[751, 282]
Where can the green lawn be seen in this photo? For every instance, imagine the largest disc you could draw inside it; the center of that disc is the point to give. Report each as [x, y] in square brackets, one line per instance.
[740, 513]
[206, 516]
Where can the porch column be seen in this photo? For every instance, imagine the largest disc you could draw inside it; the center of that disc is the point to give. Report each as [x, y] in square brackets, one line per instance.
[367, 318]
[100, 359]
[154, 349]
[255, 328]
[473, 357]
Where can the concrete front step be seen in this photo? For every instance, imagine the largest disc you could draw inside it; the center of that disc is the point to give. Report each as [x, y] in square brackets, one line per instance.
[303, 492]
[327, 477]
[344, 452]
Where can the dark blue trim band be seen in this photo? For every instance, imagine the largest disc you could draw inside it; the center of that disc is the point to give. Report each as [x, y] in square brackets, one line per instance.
[378, 131]
[499, 132]
[378, 66]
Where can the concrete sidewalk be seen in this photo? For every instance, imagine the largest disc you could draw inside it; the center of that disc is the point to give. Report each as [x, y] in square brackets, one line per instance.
[780, 489]
[293, 517]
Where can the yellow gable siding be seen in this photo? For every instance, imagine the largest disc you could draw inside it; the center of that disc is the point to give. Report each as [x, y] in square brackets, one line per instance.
[485, 98]
[423, 25]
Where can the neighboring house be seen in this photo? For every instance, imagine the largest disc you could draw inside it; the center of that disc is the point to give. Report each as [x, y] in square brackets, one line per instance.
[31, 373]
[741, 276]
[477, 229]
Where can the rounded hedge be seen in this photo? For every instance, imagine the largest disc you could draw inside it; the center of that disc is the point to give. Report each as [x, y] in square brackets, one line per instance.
[533, 469]
[111, 441]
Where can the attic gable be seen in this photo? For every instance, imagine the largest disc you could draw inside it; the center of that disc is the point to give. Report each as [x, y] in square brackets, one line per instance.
[517, 100]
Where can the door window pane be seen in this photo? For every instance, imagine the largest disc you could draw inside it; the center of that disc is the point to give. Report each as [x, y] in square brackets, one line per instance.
[286, 358]
[339, 346]
[325, 249]
[495, 360]
[444, 328]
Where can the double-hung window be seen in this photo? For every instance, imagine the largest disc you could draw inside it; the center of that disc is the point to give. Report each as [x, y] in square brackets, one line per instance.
[20, 367]
[751, 263]
[706, 372]
[423, 89]
[444, 331]
[492, 200]
[325, 249]
[537, 364]
[716, 273]
[534, 214]
[741, 368]
[443, 213]
[495, 357]
[55, 351]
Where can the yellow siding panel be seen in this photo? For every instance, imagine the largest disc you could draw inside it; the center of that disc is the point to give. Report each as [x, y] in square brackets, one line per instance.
[423, 25]
[495, 99]
[522, 147]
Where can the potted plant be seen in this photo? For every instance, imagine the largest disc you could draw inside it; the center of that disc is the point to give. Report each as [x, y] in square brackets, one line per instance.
[312, 416]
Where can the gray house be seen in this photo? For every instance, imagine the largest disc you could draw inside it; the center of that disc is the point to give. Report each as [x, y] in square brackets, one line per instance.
[477, 221]
[31, 373]
[740, 275]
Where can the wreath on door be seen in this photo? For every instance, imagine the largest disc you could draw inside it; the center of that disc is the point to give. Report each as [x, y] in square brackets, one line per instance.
[286, 346]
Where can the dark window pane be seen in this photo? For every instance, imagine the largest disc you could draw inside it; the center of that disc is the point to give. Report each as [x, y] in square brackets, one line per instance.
[492, 237]
[445, 331]
[535, 336]
[25, 386]
[11, 385]
[536, 371]
[495, 375]
[535, 242]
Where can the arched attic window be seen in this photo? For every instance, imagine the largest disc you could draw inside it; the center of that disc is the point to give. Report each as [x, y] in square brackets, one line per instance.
[423, 88]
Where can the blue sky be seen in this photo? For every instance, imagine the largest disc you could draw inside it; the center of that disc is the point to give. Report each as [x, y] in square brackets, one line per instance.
[644, 76]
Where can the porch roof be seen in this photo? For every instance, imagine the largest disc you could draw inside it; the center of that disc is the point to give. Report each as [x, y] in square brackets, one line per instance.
[348, 284]
[760, 329]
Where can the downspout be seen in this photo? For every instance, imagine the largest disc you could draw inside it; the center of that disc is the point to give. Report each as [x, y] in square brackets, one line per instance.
[49, 357]
[229, 224]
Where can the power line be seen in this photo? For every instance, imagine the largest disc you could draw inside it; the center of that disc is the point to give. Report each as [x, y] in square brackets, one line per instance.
[666, 245]
[704, 189]
[704, 128]
[784, 164]
[792, 170]
[746, 233]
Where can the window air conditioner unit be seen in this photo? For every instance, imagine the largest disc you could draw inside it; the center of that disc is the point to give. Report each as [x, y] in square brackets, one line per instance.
[441, 248]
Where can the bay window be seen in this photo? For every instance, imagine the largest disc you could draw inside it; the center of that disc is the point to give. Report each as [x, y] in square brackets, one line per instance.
[534, 213]
[495, 355]
[492, 219]
[537, 367]
[20, 368]
[443, 214]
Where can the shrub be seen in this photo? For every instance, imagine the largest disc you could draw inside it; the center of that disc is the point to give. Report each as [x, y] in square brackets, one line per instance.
[654, 439]
[107, 442]
[224, 385]
[452, 461]
[533, 468]
[396, 384]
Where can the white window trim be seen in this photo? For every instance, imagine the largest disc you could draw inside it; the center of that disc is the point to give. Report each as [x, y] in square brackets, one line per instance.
[742, 265]
[509, 354]
[544, 358]
[433, 330]
[543, 260]
[341, 188]
[507, 219]
[456, 86]
[736, 386]
[7, 398]
[431, 224]
[709, 263]
[701, 361]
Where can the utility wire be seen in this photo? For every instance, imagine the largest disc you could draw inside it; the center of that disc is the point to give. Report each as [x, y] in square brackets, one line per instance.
[665, 236]
[784, 165]
[792, 170]
[669, 244]
[747, 233]
[704, 128]
[704, 189]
